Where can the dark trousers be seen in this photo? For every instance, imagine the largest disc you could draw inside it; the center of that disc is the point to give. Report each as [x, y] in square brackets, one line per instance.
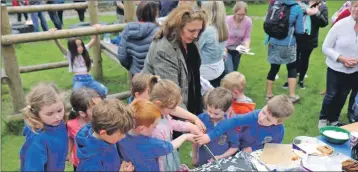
[55, 17]
[60, 16]
[19, 16]
[302, 62]
[216, 82]
[81, 12]
[275, 68]
[338, 87]
[350, 105]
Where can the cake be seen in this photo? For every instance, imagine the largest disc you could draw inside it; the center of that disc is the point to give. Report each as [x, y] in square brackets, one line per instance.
[349, 166]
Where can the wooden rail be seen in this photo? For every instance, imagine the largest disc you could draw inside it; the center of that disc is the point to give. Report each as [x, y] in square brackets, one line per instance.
[65, 33]
[46, 7]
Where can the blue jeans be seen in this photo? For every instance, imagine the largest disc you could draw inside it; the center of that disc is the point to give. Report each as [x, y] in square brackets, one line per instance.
[232, 61]
[338, 87]
[86, 80]
[35, 20]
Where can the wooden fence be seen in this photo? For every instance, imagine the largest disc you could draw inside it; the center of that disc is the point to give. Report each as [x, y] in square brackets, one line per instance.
[11, 73]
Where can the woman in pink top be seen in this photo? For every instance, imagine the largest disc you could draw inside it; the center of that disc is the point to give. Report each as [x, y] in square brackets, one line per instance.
[240, 27]
[82, 101]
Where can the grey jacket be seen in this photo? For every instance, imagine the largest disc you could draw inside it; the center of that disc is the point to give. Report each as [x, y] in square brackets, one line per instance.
[166, 60]
[135, 41]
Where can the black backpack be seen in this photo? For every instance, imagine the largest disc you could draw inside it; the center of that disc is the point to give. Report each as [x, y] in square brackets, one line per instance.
[276, 24]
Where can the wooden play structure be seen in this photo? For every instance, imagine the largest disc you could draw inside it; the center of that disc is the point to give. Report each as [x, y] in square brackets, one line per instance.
[10, 75]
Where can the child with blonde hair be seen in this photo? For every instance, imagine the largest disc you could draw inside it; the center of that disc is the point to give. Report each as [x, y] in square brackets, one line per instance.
[166, 95]
[236, 83]
[82, 101]
[142, 83]
[46, 143]
[138, 146]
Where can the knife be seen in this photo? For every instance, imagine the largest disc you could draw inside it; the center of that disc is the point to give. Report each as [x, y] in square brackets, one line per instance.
[213, 156]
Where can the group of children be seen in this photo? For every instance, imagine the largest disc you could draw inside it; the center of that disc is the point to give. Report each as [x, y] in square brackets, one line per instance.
[108, 135]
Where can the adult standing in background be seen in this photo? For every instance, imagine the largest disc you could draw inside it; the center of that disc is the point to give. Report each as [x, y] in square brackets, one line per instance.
[21, 3]
[54, 16]
[212, 43]
[166, 7]
[81, 12]
[36, 16]
[283, 51]
[60, 12]
[315, 17]
[240, 27]
[120, 11]
[340, 48]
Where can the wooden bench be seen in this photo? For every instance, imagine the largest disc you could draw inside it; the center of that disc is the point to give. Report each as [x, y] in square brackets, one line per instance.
[110, 50]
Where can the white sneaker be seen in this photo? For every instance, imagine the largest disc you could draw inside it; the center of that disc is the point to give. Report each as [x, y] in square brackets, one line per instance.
[306, 76]
[276, 77]
[322, 123]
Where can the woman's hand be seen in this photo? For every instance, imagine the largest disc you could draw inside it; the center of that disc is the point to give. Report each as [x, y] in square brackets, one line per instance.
[348, 62]
[200, 125]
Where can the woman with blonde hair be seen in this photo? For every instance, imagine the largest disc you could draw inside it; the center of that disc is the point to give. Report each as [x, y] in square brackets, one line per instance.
[174, 53]
[240, 27]
[212, 43]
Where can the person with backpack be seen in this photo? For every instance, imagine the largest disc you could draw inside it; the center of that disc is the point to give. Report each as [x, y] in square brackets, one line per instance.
[283, 21]
[315, 17]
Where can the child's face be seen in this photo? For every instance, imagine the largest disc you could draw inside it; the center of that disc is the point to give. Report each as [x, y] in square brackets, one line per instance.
[266, 118]
[147, 131]
[53, 114]
[113, 138]
[144, 95]
[79, 46]
[215, 114]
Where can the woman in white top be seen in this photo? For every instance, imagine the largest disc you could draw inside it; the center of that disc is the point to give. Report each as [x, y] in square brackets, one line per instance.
[212, 43]
[340, 47]
[79, 63]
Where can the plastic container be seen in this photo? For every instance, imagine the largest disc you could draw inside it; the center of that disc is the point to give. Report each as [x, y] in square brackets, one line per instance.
[334, 140]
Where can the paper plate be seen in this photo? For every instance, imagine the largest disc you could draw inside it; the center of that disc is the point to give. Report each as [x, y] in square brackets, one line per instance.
[293, 165]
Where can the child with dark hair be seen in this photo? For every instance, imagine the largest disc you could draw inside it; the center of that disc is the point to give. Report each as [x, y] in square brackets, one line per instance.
[82, 102]
[137, 37]
[79, 63]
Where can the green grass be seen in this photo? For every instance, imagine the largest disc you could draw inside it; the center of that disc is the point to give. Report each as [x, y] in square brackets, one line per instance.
[255, 68]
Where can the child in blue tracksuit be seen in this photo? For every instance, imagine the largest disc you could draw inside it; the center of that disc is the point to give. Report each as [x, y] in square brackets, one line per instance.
[267, 122]
[95, 142]
[46, 143]
[138, 147]
[218, 103]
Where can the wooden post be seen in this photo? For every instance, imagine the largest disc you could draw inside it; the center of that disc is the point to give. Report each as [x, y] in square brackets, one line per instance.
[11, 66]
[130, 16]
[96, 55]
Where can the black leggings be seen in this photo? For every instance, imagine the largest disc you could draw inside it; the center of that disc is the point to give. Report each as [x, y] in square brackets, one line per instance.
[302, 62]
[291, 71]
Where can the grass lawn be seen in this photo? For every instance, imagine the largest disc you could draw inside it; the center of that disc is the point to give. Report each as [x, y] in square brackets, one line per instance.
[255, 68]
